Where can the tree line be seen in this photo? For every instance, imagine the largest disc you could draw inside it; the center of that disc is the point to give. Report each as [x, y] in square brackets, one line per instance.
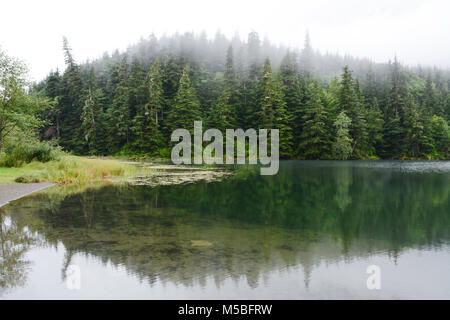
[325, 107]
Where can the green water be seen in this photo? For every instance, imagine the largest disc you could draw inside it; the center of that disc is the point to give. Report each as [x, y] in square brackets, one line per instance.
[309, 232]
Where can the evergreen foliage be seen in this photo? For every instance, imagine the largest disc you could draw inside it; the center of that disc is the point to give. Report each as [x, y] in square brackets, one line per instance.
[325, 106]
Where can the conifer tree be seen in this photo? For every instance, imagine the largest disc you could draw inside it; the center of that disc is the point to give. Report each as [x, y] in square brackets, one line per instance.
[224, 116]
[119, 111]
[375, 124]
[342, 147]
[88, 122]
[430, 102]
[186, 108]
[293, 95]
[393, 132]
[315, 140]
[441, 136]
[352, 102]
[71, 103]
[307, 58]
[148, 118]
[272, 113]
[417, 142]
[137, 87]
[358, 129]
[52, 115]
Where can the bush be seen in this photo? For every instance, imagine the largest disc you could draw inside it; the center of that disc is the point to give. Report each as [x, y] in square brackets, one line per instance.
[27, 179]
[18, 155]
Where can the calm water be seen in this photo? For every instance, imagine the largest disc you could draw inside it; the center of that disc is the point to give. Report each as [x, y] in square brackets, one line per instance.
[309, 232]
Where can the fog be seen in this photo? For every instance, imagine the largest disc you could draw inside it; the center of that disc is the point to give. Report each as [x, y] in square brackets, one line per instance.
[417, 31]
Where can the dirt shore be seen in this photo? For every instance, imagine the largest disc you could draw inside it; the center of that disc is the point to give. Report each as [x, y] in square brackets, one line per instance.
[13, 191]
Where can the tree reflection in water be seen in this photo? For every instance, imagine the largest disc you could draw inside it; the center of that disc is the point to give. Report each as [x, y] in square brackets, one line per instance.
[14, 243]
[246, 226]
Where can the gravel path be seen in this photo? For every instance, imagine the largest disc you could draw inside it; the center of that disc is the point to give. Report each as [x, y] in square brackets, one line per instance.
[13, 191]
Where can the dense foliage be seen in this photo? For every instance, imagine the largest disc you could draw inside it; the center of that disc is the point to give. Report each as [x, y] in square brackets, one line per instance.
[19, 110]
[22, 153]
[326, 106]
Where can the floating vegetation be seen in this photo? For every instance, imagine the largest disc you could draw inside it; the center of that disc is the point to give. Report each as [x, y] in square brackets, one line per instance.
[201, 243]
[162, 175]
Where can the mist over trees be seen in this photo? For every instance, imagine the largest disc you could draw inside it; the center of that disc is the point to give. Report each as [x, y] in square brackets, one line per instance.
[326, 106]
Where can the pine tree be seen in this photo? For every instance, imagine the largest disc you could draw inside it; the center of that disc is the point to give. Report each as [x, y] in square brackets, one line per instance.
[393, 132]
[224, 116]
[342, 147]
[430, 102]
[375, 124]
[137, 87]
[347, 92]
[88, 122]
[358, 129]
[352, 102]
[272, 113]
[417, 143]
[307, 58]
[293, 95]
[52, 115]
[186, 108]
[71, 103]
[315, 140]
[265, 113]
[254, 56]
[441, 136]
[119, 111]
[147, 120]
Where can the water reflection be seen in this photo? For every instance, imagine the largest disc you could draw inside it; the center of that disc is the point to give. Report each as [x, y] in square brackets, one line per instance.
[243, 228]
[14, 243]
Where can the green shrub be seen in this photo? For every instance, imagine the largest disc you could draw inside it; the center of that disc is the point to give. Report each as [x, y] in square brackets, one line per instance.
[164, 152]
[20, 154]
[27, 179]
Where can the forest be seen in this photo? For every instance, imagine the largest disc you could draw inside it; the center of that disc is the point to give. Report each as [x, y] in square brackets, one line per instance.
[326, 106]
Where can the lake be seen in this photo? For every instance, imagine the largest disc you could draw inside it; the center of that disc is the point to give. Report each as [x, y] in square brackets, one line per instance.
[309, 232]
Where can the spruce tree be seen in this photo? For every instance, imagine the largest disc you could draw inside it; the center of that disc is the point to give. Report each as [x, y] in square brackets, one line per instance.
[352, 102]
[342, 147]
[358, 129]
[430, 102]
[88, 122]
[393, 133]
[417, 142]
[315, 140]
[52, 115]
[148, 118]
[375, 124]
[441, 136]
[307, 59]
[186, 108]
[293, 95]
[119, 111]
[71, 103]
[224, 116]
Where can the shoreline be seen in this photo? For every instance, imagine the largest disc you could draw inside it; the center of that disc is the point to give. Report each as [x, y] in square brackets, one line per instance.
[14, 191]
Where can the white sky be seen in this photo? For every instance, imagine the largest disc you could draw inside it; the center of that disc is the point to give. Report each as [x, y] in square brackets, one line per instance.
[418, 31]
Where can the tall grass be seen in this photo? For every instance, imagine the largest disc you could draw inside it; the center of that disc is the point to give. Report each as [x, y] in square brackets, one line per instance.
[69, 169]
[79, 170]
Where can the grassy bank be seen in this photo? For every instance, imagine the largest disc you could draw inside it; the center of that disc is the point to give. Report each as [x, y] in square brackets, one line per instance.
[68, 170]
